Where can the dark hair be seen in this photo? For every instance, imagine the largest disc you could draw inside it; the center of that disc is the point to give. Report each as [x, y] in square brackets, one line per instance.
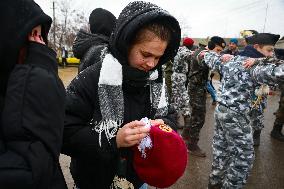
[160, 30]
[216, 40]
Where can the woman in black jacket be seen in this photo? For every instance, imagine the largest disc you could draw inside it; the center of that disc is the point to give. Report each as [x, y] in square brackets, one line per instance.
[88, 46]
[32, 100]
[105, 101]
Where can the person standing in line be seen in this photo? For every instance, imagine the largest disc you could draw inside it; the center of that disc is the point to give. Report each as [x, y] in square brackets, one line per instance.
[106, 99]
[89, 46]
[32, 100]
[233, 152]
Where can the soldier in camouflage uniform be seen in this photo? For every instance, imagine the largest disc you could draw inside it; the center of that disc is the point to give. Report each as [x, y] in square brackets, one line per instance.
[179, 66]
[197, 77]
[197, 81]
[195, 71]
[257, 113]
[279, 121]
[233, 152]
[180, 99]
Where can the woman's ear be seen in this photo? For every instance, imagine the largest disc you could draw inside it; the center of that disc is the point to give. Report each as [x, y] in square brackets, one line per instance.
[35, 35]
[36, 31]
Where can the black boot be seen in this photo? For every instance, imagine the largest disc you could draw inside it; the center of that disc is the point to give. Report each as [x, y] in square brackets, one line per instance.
[194, 148]
[276, 133]
[256, 137]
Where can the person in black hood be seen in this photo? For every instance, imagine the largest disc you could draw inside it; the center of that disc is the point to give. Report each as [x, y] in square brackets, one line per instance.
[105, 101]
[88, 46]
[32, 100]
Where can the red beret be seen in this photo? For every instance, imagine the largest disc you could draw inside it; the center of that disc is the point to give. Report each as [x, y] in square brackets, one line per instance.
[188, 41]
[165, 162]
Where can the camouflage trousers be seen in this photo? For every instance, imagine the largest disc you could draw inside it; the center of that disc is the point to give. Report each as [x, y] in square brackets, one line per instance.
[280, 112]
[257, 120]
[168, 80]
[194, 123]
[233, 152]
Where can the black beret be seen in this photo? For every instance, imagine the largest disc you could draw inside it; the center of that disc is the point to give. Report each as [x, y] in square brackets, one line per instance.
[263, 39]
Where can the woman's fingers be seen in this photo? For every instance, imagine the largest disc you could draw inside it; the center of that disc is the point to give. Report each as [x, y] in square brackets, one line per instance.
[137, 130]
[131, 134]
[157, 122]
[133, 143]
[134, 124]
[137, 137]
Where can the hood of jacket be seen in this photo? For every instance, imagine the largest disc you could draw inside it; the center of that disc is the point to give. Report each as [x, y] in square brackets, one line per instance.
[134, 16]
[84, 41]
[101, 22]
[17, 18]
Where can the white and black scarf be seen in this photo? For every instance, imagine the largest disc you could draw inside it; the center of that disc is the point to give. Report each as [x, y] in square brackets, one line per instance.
[111, 97]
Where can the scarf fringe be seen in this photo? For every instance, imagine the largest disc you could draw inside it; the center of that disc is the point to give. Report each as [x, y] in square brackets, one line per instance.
[163, 99]
[109, 127]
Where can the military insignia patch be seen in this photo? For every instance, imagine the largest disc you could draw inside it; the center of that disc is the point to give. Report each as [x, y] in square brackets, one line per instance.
[165, 128]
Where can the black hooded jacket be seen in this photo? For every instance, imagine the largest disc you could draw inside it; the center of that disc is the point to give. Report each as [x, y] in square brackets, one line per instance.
[15, 28]
[32, 102]
[94, 166]
[88, 46]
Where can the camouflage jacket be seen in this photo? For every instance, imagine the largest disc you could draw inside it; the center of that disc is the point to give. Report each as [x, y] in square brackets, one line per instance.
[180, 98]
[239, 84]
[198, 70]
[280, 112]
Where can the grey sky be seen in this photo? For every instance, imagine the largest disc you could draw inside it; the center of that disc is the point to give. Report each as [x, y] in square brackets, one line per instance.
[202, 18]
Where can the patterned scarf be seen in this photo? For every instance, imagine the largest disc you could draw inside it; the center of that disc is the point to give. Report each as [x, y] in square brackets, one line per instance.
[111, 97]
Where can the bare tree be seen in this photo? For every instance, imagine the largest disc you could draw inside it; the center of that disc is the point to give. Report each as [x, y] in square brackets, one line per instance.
[67, 23]
[184, 25]
[66, 13]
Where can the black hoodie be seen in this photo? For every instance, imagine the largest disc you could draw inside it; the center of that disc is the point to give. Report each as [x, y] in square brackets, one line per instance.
[32, 102]
[88, 48]
[17, 18]
[95, 166]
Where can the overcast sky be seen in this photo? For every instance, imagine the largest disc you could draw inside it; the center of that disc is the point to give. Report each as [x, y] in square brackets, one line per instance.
[202, 18]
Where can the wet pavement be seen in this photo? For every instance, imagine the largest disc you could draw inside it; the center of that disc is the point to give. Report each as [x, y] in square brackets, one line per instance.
[268, 169]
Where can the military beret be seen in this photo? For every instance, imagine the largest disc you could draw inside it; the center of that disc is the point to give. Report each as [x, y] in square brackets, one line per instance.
[263, 39]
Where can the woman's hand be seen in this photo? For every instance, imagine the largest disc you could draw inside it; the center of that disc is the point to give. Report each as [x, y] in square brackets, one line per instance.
[131, 134]
[35, 35]
[157, 122]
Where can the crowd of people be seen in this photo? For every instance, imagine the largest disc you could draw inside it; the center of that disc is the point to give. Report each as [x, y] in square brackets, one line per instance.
[133, 73]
